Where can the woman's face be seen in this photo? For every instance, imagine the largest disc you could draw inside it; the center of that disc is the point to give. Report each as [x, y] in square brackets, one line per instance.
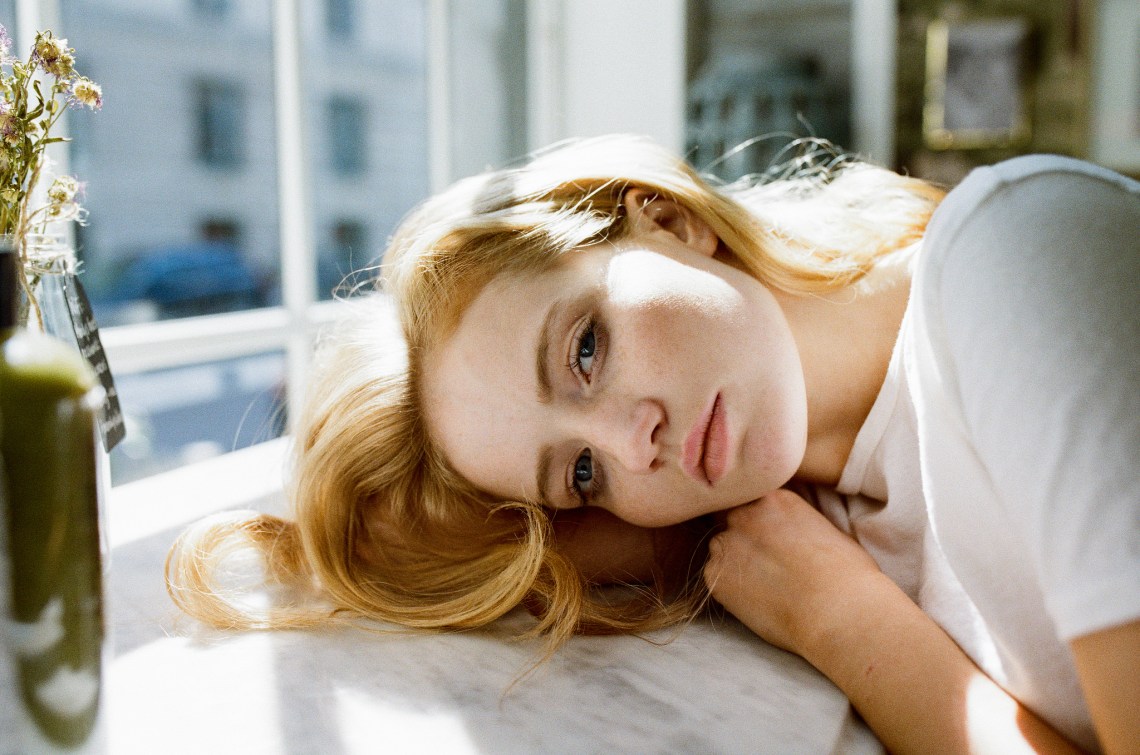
[644, 377]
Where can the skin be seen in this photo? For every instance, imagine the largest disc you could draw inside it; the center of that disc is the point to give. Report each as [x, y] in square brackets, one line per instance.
[674, 328]
[678, 324]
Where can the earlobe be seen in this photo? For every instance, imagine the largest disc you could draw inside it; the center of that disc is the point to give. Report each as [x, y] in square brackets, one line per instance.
[651, 213]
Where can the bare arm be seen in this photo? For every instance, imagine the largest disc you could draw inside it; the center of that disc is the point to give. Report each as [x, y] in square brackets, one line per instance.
[795, 580]
[1108, 663]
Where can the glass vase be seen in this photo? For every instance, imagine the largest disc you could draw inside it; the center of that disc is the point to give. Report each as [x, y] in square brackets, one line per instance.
[53, 552]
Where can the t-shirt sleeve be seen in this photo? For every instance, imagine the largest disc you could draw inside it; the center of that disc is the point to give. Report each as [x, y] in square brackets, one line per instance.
[1039, 298]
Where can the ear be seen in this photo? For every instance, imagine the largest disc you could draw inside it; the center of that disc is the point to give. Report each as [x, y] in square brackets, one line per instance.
[651, 213]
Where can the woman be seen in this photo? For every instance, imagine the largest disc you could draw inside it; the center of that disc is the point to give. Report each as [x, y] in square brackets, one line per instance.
[605, 355]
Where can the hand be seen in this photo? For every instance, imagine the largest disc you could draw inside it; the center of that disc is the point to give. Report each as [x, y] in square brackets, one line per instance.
[785, 571]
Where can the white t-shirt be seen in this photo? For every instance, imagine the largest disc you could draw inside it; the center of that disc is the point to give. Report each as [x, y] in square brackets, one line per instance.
[1006, 438]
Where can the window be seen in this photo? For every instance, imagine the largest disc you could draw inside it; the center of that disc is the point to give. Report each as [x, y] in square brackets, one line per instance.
[371, 141]
[214, 9]
[222, 230]
[221, 127]
[183, 167]
[340, 17]
[345, 251]
[183, 414]
[348, 149]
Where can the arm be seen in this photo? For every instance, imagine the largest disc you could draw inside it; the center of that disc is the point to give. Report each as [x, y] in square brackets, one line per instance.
[1108, 663]
[799, 583]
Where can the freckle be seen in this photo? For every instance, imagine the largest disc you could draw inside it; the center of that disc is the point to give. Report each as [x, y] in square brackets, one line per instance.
[870, 669]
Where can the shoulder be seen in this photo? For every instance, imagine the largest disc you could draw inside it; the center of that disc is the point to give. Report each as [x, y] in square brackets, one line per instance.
[1044, 188]
[1031, 233]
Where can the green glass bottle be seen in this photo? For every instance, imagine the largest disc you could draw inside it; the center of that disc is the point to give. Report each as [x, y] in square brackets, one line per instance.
[54, 630]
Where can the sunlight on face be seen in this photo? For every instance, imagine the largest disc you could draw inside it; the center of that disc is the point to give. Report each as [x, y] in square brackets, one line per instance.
[639, 277]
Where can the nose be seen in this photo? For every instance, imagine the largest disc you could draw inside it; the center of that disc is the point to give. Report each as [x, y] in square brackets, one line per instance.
[630, 434]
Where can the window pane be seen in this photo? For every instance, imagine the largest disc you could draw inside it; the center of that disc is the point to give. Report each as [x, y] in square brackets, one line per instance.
[180, 164]
[763, 74]
[186, 414]
[365, 69]
[216, 9]
[219, 109]
[340, 17]
[347, 133]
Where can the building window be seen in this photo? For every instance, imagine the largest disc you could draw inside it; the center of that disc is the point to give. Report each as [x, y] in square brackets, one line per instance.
[221, 123]
[214, 9]
[347, 129]
[340, 17]
[222, 230]
[345, 252]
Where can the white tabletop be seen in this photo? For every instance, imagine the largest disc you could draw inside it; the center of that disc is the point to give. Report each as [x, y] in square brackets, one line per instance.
[174, 687]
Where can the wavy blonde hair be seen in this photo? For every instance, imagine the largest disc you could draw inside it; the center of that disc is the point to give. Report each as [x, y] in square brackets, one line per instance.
[384, 528]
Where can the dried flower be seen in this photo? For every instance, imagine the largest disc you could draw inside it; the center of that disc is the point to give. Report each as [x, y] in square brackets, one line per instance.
[33, 95]
[53, 55]
[63, 189]
[84, 91]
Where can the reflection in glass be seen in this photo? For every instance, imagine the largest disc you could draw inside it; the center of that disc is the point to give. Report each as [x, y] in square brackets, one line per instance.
[185, 414]
[180, 164]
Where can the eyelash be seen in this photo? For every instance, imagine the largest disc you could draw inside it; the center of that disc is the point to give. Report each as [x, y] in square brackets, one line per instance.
[575, 360]
[585, 496]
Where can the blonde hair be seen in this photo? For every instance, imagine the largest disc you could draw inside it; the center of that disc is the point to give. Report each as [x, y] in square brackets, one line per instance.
[384, 528]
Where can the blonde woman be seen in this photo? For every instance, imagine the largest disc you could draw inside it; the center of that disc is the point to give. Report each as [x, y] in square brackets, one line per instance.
[913, 440]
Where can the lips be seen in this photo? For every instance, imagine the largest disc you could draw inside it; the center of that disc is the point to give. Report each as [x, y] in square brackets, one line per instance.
[704, 455]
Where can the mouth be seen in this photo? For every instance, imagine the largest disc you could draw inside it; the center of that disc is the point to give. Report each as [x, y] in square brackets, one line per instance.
[705, 453]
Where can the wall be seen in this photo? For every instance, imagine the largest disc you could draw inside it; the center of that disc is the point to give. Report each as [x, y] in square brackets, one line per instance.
[598, 66]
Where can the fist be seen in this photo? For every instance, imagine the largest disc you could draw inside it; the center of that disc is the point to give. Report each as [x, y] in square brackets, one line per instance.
[784, 570]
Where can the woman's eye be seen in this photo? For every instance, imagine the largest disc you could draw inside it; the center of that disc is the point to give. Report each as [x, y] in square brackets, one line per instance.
[584, 476]
[584, 351]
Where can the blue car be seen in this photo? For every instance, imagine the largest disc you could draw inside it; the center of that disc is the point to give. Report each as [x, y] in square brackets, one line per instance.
[189, 279]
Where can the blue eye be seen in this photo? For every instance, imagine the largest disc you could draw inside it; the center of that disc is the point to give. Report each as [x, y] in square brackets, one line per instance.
[584, 475]
[584, 352]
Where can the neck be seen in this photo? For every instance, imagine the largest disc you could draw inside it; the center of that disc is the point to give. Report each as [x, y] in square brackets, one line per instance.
[845, 342]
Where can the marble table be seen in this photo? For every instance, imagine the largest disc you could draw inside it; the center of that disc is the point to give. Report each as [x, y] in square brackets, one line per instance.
[174, 687]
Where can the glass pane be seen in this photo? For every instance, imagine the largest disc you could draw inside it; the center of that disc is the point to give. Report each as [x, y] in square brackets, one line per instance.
[488, 83]
[365, 69]
[185, 414]
[180, 164]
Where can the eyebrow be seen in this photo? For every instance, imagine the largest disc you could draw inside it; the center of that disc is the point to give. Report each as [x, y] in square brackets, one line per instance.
[544, 389]
[545, 461]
